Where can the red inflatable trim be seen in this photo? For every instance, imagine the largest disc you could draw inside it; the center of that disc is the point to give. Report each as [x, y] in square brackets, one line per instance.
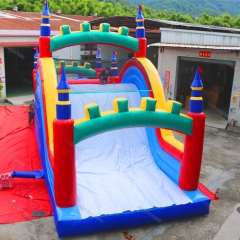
[142, 48]
[207, 192]
[170, 149]
[93, 81]
[114, 45]
[89, 81]
[34, 73]
[44, 47]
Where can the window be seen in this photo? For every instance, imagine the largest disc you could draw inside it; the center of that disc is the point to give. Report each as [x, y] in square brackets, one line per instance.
[87, 47]
[87, 57]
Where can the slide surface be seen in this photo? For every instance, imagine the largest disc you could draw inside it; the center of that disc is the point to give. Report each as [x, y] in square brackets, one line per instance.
[115, 165]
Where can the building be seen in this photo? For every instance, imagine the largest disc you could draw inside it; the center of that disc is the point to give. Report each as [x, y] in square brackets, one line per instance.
[216, 52]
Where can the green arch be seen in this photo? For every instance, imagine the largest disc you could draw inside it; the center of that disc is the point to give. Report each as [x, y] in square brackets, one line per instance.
[86, 35]
[123, 117]
[79, 70]
[85, 70]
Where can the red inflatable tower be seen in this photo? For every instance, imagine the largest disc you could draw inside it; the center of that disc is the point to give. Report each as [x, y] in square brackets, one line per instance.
[45, 34]
[140, 35]
[64, 151]
[193, 146]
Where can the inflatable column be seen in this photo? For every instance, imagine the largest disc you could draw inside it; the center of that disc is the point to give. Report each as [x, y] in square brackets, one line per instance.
[36, 56]
[64, 151]
[34, 72]
[98, 62]
[140, 35]
[114, 68]
[45, 34]
[193, 146]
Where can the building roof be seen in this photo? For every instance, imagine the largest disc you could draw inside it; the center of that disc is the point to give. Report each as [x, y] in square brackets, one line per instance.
[155, 24]
[130, 22]
[28, 23]
[10, 20]
[176, 45]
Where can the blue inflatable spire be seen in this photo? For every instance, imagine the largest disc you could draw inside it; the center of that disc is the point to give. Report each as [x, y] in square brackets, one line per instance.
[45, 29]
[63, 104]
[140, 30]
[197, 83]
[36, 56]
[63, 84]
[99, 59]
[196, 100]
[114, 59]
[114, 68]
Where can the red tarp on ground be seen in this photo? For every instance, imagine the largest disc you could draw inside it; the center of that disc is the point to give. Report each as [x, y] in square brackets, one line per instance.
[18, 151]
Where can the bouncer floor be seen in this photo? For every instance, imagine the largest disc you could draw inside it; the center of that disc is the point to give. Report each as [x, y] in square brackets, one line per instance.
[124, 178]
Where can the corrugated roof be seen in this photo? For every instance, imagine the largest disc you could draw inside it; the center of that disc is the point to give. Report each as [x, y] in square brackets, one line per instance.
[198, 26]
[192, 46]
[10, 20]
[156, 24]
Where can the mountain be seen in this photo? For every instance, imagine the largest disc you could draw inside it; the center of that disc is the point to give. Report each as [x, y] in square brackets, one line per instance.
[193, 7]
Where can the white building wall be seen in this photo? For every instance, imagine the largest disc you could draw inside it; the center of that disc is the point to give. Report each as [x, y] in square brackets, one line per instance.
[168, 61]
[14, 39]
[70, 53]
[191, 37]
[2, 73]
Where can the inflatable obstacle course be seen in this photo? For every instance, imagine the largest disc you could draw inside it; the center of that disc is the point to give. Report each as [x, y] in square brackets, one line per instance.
[100, 143]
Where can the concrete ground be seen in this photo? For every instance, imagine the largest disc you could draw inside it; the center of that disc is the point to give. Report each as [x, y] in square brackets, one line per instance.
[220, 169]
[21, 100]
[214, 118]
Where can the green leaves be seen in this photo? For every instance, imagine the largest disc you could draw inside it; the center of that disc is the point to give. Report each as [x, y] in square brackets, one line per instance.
[1, 87]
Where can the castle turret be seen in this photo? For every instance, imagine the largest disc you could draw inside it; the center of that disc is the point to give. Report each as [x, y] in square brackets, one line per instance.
[98, 67]
[114, 68]
[196, 100]
[64, 150]
[45, 29]
[140, 34]
[63, 105]
[34, 71]
[193, 145]
[45, 33]
[140, 29]
[99, 59]
[36, 56]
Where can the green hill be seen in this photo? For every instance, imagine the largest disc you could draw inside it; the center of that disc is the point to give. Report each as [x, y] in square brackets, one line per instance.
[193, 7]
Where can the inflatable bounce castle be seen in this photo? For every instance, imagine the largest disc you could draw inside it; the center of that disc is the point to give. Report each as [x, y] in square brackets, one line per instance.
[109, 156]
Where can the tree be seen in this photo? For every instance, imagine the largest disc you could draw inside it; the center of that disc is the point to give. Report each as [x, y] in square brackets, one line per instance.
[1, 87]
[209, 16]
